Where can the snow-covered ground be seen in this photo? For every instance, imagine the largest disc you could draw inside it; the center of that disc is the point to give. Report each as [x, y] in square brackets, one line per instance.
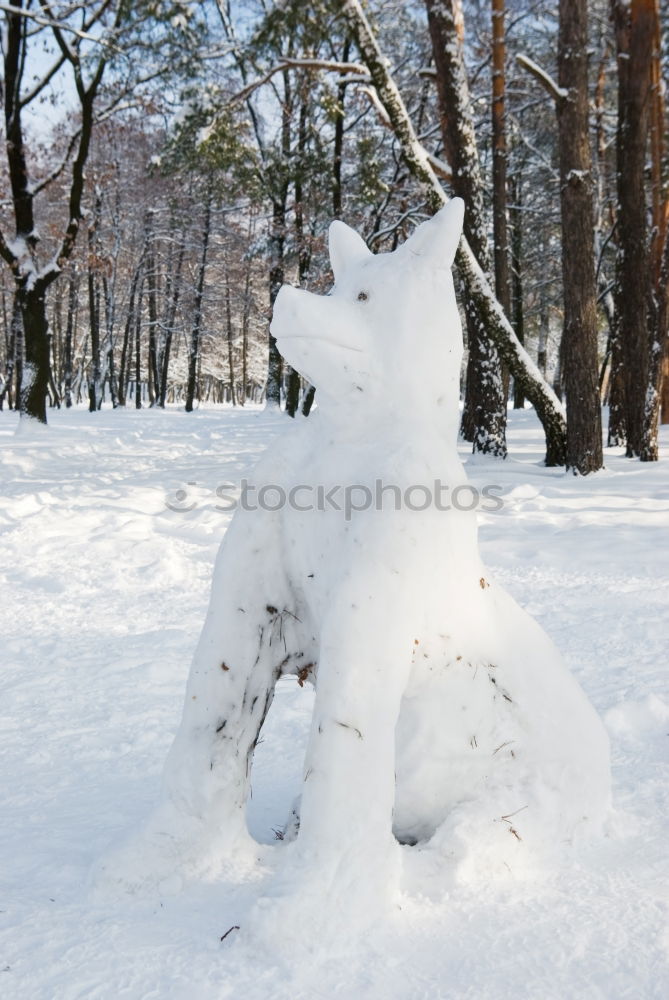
[104, 590]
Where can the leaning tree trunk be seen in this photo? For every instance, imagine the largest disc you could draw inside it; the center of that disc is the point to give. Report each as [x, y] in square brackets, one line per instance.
[579, 338]
[523, 369]
[484, 416]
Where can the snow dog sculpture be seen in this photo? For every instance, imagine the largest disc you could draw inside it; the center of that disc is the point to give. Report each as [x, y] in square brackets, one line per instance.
[442, 710]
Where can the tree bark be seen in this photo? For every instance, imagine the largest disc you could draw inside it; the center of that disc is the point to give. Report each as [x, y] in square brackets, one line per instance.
[632, 24]
[516, 226]
[339, 139]
[579, 339]
[499, 171]
[658, 302]
[69, 336]
[228, 320]
[151, 295]
[94, 383]
[170, 321]
[484, 415]
[196, 331]
[126, 347]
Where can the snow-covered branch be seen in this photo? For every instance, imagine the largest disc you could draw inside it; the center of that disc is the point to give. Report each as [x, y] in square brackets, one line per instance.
[49, 22]
[545, 79]
[440, 168]
[330, 65]
[373, 99]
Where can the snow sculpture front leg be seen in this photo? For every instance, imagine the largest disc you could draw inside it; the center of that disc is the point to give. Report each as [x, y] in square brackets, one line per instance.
[346, 864]
[349, 779]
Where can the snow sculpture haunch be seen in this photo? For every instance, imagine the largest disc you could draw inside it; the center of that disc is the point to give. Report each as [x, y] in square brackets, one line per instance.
[440, 705]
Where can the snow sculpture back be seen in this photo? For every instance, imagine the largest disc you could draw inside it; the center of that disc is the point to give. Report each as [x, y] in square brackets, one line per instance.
[443, 714]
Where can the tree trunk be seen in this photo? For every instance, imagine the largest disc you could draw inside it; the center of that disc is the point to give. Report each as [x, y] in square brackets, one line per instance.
[152, 367]
[228, 319]
[580, 363]
[170, 321]
[484, 416]
[124, 366]
[69, 336]
[246, 317]
[13, 346]
[194, 352]
[277, 242]
[658, 301]
[36, 367]
[94, 384]
[138, 353]
[664, 394]
[633, 46]
[339, 139]
[516, 225]
[276, 276]
[499, 171]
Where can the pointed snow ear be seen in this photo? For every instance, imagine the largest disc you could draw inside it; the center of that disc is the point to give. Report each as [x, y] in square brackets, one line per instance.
[439, 236]
[346, 248]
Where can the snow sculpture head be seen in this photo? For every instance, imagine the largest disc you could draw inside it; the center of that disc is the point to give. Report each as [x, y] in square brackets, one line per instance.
[389, 331]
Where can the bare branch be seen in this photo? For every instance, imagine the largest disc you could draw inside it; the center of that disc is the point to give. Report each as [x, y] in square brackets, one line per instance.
[39, 87]
[57, 171]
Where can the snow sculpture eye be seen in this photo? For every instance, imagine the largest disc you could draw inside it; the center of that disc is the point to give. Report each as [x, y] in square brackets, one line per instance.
[362, 296]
